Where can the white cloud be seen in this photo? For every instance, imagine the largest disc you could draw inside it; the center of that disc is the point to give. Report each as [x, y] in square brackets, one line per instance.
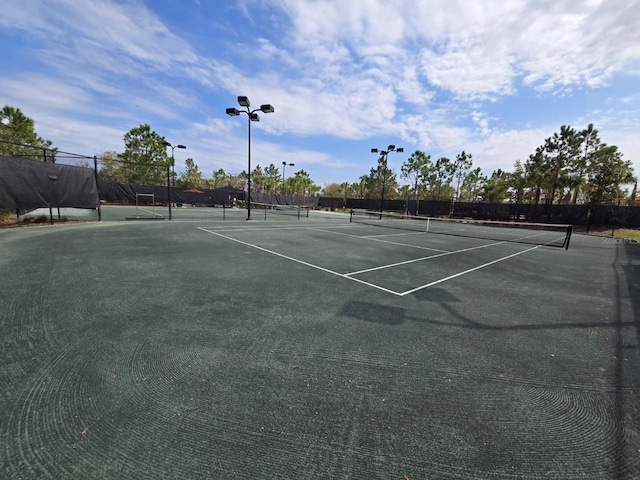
[419, 71]
[629, 144]
[39, 92]
[482, 121]
[129, 28]
[83, 137]
[471, 73]
[475, 49]
[502, 149]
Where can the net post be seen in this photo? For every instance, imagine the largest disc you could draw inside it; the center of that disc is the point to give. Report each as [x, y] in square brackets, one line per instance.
[224, 210]
[568, 237]
[298, 212]
[351, 216]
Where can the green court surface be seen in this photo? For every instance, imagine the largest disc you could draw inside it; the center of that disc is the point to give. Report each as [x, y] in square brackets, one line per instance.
[310, 348]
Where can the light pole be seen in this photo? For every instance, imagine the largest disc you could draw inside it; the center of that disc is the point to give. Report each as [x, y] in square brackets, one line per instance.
[384, 154]
[419, 178]
[253, 117]
[284, 164]
[345, 186]
[173, 159]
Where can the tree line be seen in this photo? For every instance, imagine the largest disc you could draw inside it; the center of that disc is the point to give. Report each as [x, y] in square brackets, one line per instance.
[572, 166]
[145, 160]
[19, 138]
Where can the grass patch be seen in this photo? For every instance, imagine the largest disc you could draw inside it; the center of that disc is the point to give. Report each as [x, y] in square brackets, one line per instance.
[627, 233]
[7, 217]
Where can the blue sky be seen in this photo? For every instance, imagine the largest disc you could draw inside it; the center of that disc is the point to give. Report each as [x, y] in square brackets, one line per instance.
[492, 78]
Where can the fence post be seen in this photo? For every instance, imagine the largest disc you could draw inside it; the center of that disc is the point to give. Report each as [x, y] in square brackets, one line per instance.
[169, 189]
[95, 171]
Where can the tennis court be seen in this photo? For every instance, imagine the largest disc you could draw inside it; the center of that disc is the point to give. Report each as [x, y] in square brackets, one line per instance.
[314, 347]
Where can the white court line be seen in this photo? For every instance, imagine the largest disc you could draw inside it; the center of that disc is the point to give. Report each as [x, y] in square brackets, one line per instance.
[377, 240]
[152, 212]
[244, 228]
[348, 277]
[326, 270]
[421, 259]
[453, 232]
[395, 234]
[467, 271]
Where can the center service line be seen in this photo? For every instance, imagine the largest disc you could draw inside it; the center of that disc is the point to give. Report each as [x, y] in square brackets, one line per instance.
[299, 261]
[467, 271]
[378, 240]
[421, 259]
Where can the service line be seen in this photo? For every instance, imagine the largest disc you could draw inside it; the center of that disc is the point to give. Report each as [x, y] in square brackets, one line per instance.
[467, 271]
[326, 270]
[349, 276]
[255, 227]
[390, 265]
[375, 239]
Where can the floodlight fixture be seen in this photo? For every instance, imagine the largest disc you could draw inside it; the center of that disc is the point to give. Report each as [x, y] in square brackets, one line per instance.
[167, 144]
[284, 164]
[173, 171]
[252, 117]
[384, 154]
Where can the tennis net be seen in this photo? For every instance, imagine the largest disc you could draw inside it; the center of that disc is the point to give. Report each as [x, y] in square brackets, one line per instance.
[276, 209]
[554, 235]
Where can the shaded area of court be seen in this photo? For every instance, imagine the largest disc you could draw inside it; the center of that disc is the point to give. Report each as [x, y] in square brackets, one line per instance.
[313, 348]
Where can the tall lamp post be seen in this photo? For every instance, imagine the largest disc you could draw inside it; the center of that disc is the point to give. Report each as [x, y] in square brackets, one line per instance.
[384, 154]
[284, 164]
[173, 159]
[253, 117]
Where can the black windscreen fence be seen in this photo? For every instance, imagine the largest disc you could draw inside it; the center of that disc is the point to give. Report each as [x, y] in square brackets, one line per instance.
[278, 199]
[26, 184]
[598, 215]
[114, 192]
[610, 216]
